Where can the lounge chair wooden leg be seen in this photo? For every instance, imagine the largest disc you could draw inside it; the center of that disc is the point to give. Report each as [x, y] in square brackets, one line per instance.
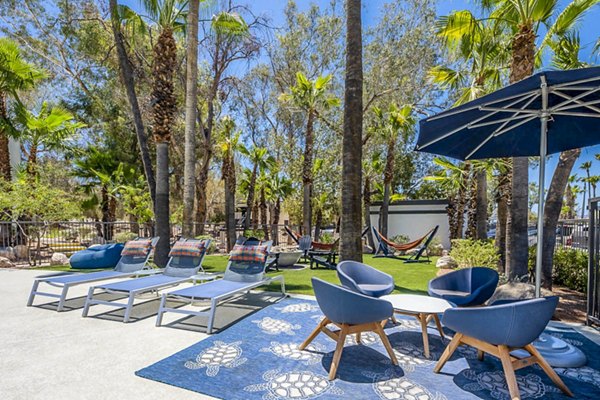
[452, 346]
[386, 343]
[394, 320]
[509, 372]
[480, 355]
[314, 333]
[439, 325]
[338, 352]
[548, 370]
[423, 319]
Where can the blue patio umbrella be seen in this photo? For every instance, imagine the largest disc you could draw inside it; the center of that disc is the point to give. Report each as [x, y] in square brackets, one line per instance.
[547, 113]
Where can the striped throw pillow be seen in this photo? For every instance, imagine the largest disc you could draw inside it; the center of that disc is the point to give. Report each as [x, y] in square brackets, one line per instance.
[242, 253]
[188, 248]
[137, 248]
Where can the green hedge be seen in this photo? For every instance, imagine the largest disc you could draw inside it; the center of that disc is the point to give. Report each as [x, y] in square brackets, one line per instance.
[474, 253]
[570, 268]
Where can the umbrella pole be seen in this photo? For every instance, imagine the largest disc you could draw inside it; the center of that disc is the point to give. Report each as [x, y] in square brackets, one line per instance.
[542, 178]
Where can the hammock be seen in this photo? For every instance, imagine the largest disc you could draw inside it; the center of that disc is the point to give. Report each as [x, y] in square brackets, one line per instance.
[404, 246]
[315, 245]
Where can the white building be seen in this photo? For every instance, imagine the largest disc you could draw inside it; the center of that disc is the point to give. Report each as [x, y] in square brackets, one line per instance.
[414, 218]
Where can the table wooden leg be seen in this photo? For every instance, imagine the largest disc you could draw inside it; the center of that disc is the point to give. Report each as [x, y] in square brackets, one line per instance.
[423, 319]
[439, 325]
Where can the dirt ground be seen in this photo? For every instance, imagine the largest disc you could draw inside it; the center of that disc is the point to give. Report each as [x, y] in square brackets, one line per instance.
[572, 306]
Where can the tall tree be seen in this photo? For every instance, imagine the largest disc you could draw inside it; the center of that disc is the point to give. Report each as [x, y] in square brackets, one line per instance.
[191, 113]
[313, 98]
[586, 166]
[168, 16]
[351, 218]
[261, 161]
[127, 76]
[15, 75]
[229, 144]
[392, 125]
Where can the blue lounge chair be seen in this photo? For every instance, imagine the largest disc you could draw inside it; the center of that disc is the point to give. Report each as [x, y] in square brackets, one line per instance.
[353, 313]
[179, 269]
[465, 287]
[240, 277]
[364, 279]
[126, 267]
[499, 330]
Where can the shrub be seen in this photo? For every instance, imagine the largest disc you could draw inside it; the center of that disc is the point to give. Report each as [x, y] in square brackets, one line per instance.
[435, 247]
[257, 233]
[570, 268]
[474, 253]
[400, 239]
[123, 237]
[212, 247]
[326, 237]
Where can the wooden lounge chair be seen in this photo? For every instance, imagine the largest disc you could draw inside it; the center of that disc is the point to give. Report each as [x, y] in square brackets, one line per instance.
[387, 248]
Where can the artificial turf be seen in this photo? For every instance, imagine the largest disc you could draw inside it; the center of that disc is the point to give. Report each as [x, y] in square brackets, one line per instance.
[409, 278]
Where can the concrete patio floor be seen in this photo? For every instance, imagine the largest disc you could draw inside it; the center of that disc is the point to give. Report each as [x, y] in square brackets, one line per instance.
[49, 355]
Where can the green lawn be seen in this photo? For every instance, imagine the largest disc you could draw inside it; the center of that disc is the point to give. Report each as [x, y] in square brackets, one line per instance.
[409, 278]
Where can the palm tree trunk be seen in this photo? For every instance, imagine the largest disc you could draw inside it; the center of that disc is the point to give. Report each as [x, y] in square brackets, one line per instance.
[482, 205]
[552, 209]
[388, 175]
[32, 161]
[161, 212]
[367, 211]
[5, 168]
[250, 199]
[503, 193]
[583, 206]
[318, 223]
[263, 213]
[191, 104]
[275, 221]
[229, 179]
[522, 64]
[350, 241]
[200, 218]
[307, 174]
[128, 80]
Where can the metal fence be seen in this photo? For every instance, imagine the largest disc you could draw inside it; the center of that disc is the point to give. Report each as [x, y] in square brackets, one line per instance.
[593, 306]
[573, 234]
[34, 242]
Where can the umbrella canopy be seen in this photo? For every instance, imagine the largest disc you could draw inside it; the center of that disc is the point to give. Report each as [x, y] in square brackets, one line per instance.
[507, 123]
[546, 113]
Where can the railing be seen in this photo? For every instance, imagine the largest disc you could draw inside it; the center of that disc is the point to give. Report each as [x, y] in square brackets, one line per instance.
[34, 242]
[593, 294]
[573, 234]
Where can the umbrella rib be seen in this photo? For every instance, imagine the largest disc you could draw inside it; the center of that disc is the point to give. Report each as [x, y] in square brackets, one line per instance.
[512, 110]
[576, 114]
[498, 132]
[533, 96]
[567, 84]
[579, 96]
[580, 103]
[521, 96]
[498, 121]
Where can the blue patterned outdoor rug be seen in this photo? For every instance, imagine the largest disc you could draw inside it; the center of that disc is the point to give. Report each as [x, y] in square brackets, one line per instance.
[257, 358]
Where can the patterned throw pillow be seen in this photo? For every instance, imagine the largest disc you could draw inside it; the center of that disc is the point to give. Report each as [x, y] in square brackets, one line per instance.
[241, 253]
[189, 248]
[137, 248]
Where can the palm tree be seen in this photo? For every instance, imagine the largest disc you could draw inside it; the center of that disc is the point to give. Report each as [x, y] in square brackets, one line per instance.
[15, 75]
[372, 168]
[261, 161]
[117, 14]
[485, 55]
[312, 98]
[390, 125]
[191, 112]
[523, 19]
[229, 144]
[168, 16]
[48, 130]
[351, 226]
[586, 166]
[280, 188]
